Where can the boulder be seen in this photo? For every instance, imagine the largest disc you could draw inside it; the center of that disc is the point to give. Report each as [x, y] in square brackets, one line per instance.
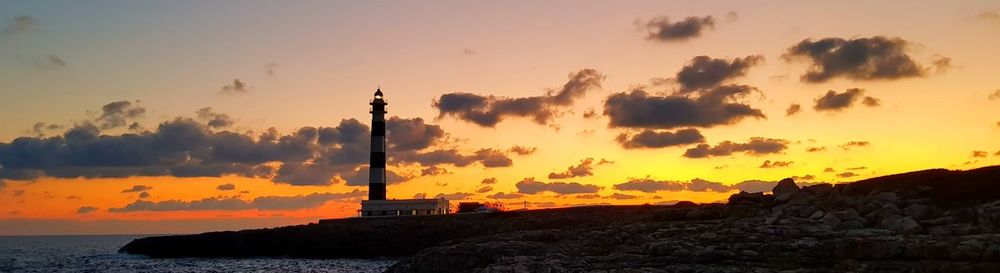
[900, 224]
[785, 189]
[746, 198]
[989, 215]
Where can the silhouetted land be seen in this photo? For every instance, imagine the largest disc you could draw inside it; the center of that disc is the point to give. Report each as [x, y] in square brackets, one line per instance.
[925, 221]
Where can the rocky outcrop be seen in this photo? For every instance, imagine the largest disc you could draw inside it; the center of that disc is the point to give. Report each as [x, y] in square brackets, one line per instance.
[903, 227]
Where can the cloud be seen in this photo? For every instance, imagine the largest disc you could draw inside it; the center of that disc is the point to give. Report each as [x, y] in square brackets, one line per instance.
[662, 29]
[213, 119]
[502, 195]
[816, 149]
[530, 186]
[590, 113]
[49, 61]
[650, 185]
[454, 196]
[226, 187]
[988, 15]
[119, 113]
[995, 95]
[41, 128]
[360, 177]
[834, 101]
[875, 58]
[807, 177]
[979, 153]
[143, 195]
[484, 189]
[412, 134]
[828, 170]
[756, 146]
[776, 164]
[716, 106]
[137, 188]
[85, 210]
[489, 181]
[264, 203]
[468, 52]
[585, 168]
[487, 111]
[793, 109]
[653, 139]
[621, 196]
[489, 158]
[237, 86]
[846, 174]
[271, 68]
[852, 144]
[521, 150]
[433, 170]
[706, 72]
[19, 24]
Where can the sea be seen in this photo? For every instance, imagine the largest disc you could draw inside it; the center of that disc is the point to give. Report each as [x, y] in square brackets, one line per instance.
[99, 254]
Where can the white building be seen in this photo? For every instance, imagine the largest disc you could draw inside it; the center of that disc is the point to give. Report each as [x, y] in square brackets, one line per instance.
[404, 207]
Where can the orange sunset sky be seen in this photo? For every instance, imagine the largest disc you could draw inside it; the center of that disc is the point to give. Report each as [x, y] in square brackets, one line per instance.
[188, 116]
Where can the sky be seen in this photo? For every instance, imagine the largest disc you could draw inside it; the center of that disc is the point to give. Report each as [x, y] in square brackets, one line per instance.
[189, 116]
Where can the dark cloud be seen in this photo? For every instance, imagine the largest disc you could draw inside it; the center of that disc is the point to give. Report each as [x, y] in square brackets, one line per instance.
[650, 185]
[433, 170]
[875, 58]
[852, 144]
[232, 203]
[622, 196]
[493, 158]
[41, 128]
[590, 113]
[775, 164]
[454, 196]
[653, 139]
[995, 95]
[360, 177]
[226, 187]
[662, 29]
[484, 189]
[834, 101]
[793, 109]
[19, 24]
[487, 111]
[531, 186]
[979, 153]
[521, 150]
[143, 195]
[846, 174]
[756, 146]
[807, 177]
[468, 52]
[137, 188]
[489, 181]
[237, 86]
[816, 149]
[585, 168]
[412, 134]
[502, 195]
[706, 72]
[828, 170]
[85, 210]
[716, 106]
[857, 168]
[49, 61]
[213, 119]
[119, 113]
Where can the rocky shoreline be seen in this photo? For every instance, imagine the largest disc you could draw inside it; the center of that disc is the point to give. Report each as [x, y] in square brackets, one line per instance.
[927, 221]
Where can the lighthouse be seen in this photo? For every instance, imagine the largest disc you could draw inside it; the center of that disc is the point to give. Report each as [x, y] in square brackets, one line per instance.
[376, 166]
[377, 203]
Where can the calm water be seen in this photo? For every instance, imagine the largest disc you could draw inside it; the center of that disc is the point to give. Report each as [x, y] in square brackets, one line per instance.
[100, 254]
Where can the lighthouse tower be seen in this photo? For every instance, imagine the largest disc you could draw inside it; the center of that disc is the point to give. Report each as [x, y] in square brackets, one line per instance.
[376, 167]
[377, 205]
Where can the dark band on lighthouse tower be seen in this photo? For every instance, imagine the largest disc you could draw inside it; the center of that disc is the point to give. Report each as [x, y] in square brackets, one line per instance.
[376, 167]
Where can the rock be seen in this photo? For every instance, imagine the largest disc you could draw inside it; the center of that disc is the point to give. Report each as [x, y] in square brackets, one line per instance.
[745, 198]
[785, 189]
[830, 220]
[900, 224]
[816, 215]
[921, 211]
[989, 215]
[851, 224]
[887, 197]
[883, 212]
[819, 189]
